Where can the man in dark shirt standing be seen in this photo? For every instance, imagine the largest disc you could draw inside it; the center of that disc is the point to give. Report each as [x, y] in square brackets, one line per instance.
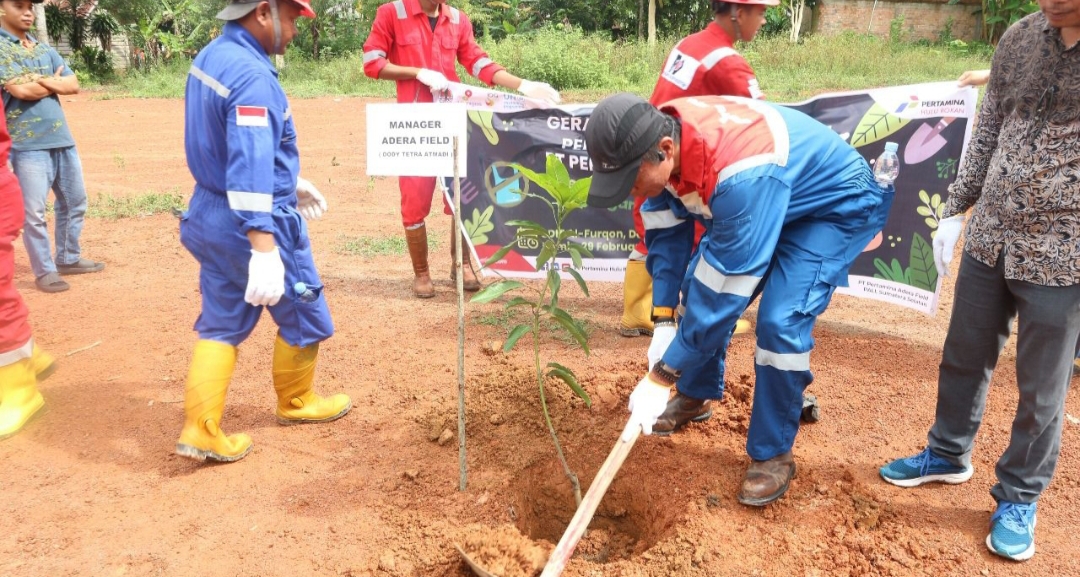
[1021, 261]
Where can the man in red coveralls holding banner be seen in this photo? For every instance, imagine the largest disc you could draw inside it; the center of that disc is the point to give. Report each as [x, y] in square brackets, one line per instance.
[416, 43]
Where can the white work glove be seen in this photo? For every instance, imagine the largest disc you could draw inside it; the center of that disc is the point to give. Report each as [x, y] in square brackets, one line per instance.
[309, 201]
[539, 91]
[266, 278]
[948, 232]
[647, 403]
[434, 80]
[662, 336]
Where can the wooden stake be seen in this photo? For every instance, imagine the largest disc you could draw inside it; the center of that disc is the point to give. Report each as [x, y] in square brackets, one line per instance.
[459, 230]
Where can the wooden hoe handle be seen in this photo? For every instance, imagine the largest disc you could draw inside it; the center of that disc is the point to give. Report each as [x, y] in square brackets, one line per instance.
[576, 529]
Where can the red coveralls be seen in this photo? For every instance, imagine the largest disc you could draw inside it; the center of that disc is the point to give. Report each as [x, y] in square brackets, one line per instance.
[704, 63]
[15, 335]
[402, 34]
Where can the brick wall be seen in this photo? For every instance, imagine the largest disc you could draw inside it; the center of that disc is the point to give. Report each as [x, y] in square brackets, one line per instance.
[923, 20]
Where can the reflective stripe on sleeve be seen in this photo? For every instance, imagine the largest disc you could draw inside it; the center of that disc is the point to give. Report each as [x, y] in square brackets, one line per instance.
[660, 219]
[250, 201]
[741, 285]
[783, 361]
[399, 7]
[455, 15]
[373, 55]
[210, 82]
[717, 55]
[480, 64]
[12, 357]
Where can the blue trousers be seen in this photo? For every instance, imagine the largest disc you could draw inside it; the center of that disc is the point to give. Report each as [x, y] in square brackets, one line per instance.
[39, 171]
[795, 249]
[210, 233]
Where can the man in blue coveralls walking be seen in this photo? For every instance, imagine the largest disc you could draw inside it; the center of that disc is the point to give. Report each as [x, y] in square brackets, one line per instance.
[787, 206]
[244, 226]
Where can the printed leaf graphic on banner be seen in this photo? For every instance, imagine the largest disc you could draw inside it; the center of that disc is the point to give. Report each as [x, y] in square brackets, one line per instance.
[895, 273]
[479, 225]
[876, 124]
[482, 118]
[922, 273]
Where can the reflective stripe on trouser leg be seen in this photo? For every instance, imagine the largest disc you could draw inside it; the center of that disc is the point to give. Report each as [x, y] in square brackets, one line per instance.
[812, 258]
[209, 232]
[782, 358]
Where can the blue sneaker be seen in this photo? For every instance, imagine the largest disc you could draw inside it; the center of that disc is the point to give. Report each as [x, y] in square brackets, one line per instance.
[1012, 531]
[926, 467]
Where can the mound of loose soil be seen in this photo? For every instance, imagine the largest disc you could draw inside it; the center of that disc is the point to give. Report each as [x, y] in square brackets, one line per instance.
[503, 551]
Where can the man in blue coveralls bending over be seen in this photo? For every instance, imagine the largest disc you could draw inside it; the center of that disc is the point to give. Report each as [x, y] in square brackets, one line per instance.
[787, 206]
[244, 226]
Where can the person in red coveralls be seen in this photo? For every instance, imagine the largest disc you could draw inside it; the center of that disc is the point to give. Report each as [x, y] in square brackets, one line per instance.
[416, 44]
[22, 363]
[703, 63]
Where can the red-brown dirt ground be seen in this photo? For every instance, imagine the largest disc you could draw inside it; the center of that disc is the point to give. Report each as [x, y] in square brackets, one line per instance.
[92, 487]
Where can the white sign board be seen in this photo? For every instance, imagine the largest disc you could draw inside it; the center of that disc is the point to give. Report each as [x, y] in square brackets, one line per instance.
[415, 139]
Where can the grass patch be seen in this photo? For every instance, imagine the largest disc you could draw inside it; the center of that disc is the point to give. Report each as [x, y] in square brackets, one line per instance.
[376, 245]
[587, 67]
[111, 207]
[852, 62]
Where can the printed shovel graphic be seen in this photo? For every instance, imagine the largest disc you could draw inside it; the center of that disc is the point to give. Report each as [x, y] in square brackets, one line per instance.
[926, 141]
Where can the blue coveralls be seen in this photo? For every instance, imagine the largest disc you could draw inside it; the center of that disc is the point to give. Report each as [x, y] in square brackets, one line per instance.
[241, 149]
[787, 206]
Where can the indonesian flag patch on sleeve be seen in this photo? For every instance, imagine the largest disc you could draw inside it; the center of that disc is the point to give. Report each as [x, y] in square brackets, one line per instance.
[251, 116]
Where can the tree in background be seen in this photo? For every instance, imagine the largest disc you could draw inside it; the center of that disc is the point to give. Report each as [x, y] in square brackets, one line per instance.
[77, 22]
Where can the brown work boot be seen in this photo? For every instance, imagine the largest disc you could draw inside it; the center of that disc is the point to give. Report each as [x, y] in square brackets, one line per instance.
[767, 481]
[469, 282]
[681, 410]
[416, 239]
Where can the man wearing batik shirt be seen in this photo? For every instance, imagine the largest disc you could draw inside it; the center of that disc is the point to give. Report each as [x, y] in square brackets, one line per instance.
[1021, 261]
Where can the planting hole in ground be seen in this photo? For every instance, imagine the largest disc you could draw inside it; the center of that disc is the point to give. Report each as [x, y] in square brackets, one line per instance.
[631, 518]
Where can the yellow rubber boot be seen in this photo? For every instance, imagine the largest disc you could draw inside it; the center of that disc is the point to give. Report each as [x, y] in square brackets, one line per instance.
[43, 364]
[19, 397]
[742, 326]
[637, 301]
[294, 373]
[204, 402]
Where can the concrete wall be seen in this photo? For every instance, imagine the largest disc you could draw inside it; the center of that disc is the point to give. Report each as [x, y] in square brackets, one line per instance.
[923, 19]
[121, 50]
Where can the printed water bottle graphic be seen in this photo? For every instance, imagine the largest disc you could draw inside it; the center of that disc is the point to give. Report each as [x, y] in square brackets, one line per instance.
[887, 166]
[304, 294]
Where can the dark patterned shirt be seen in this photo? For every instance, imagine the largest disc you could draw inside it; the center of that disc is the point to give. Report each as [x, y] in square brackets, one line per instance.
[1022, 170]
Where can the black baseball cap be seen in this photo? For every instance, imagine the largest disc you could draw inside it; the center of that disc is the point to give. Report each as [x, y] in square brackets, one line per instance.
[621, 129]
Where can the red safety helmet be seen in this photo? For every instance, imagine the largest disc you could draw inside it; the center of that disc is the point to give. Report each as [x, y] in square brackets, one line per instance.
[307, 12]
[237, 9]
